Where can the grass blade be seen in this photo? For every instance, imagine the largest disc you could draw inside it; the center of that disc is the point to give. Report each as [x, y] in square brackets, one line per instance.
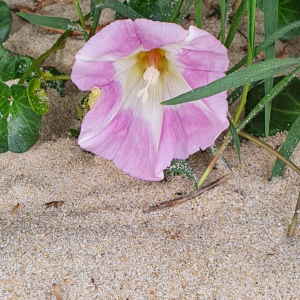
[235, 138]
[121, 9]
[287, 148]
[235, 23]
[270, 27]
[266, 43]
[253, 73]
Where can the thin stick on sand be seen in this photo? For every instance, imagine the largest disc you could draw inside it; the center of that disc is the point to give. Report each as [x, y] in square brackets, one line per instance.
[187, 197]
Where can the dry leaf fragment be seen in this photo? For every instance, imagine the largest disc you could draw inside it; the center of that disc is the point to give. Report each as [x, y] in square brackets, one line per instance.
[57, 291]
[14, 210]
[56, 204]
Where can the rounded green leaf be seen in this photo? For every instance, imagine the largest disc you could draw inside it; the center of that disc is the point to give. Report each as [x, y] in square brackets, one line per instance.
[37, 97]
[5, 21]
[19, 124]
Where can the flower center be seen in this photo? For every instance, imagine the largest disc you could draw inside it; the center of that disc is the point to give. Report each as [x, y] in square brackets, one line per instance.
[151, 75]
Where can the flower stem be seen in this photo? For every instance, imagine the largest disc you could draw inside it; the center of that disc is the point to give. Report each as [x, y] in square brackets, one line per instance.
[58, 77]
[223, 20]
[295, 218]
[81, 19]
[198, 5]
[36, 64]
[215, 159]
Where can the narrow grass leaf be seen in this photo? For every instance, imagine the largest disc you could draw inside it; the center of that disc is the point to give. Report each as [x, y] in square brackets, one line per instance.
[121, 9]
[287, 148]
[253, 73]
[52, 22]
[235, 138]
[266, 43]
[267, 98]
[235, 23]
[270, 27]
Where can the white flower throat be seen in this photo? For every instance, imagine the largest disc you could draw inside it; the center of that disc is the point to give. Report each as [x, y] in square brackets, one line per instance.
[151, 76]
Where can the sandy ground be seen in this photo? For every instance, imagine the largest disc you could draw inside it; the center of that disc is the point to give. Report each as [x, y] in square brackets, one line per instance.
[229, 243]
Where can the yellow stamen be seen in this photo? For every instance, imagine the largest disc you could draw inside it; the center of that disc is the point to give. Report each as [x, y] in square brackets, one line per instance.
[151, 75]
[94, 96]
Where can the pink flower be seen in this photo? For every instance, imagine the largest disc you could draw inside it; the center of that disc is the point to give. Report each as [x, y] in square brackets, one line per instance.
[138, 65]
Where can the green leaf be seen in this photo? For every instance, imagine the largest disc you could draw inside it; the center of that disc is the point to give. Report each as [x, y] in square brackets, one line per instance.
[179, 166]
[121, 9]
[266, 43]
[239, 91]
[235, 23]
[268, 98]
[235, 138]
[37, 97]
[22, 64]
[58, 85]
[184, 12]
[157, 10]
[7, 64]
[288, 12]
[75, 132]
[285, 108]
[5, 21]
[19, 124]
[52, 22]
[270, 27]
[253, 73]
[287, 148]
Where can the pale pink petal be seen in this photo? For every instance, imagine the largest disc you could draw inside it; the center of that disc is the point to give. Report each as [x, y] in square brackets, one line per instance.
[186, 129]
[199, 51]
[157, 34]
[125, 130]
[89, 74]
[117, 40]
[102, 113]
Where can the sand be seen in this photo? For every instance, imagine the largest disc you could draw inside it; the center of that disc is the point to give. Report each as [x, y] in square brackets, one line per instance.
[229, 243]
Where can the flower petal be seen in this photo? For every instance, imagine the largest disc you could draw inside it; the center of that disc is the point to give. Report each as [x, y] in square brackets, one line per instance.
[187, 128]
[127, 130]
[199, 51]
[88, 74]
[118, 39]
[155, 34]
[102, 113]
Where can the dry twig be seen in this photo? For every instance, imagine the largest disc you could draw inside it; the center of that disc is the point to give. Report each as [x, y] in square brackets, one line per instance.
[187, 197]
[56, 204]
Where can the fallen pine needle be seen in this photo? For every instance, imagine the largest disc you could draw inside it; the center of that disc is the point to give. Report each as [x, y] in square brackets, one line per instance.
[187, 197]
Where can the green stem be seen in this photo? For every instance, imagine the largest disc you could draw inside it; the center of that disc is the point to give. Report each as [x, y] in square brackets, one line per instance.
[223, 20]
[242, 104]
[270, 27]
[58, 77]
[81, 19]
[198, 5]
[36, 64]
[176, 11]
[214, 161]
[295, 218]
